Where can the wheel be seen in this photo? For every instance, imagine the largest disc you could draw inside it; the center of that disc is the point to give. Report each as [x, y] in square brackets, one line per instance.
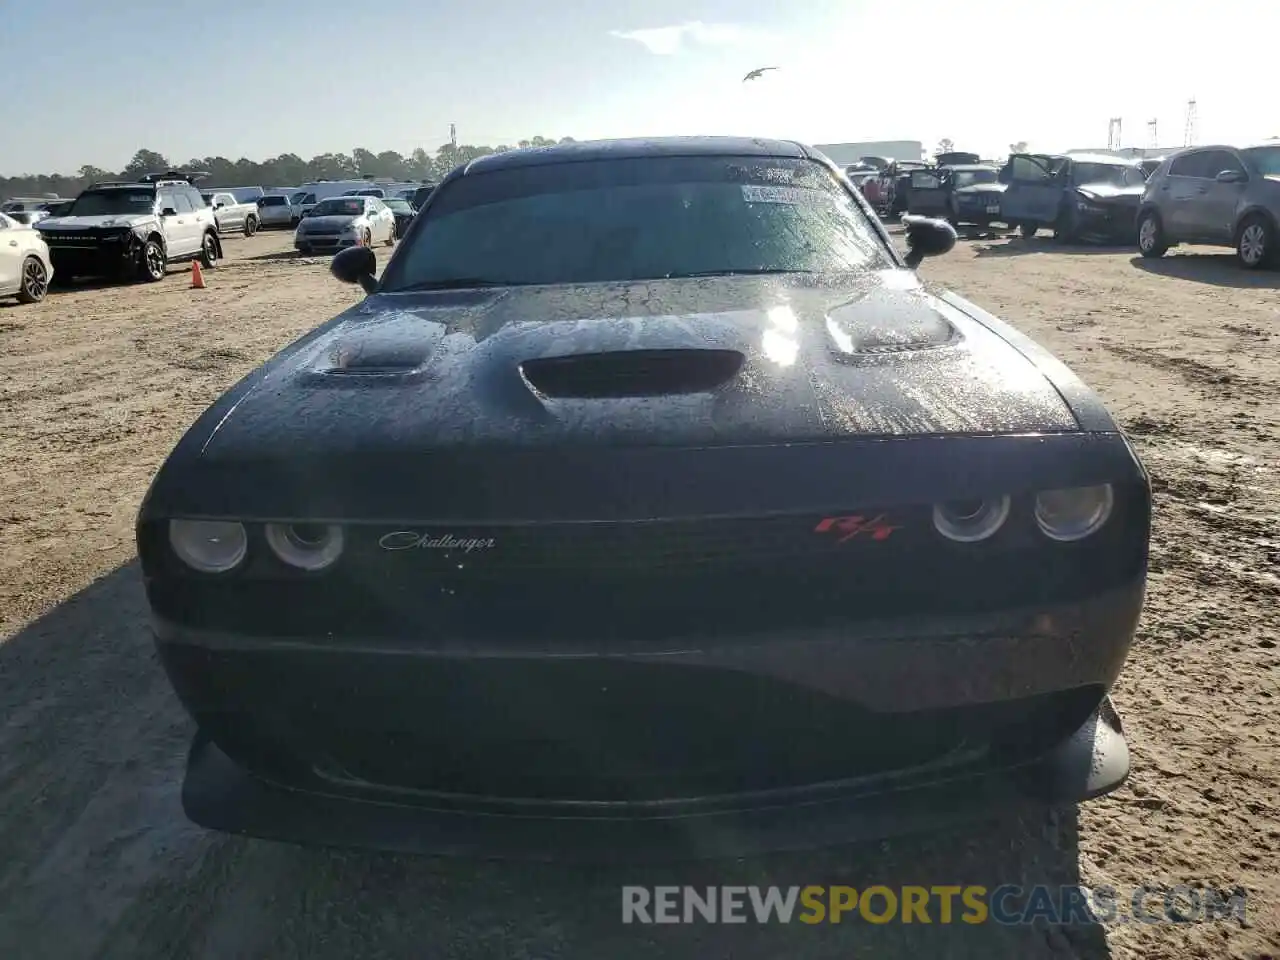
[391, 236]
[250, 226]
[209, 252]
[152, 262]
[35, 281]
[1028, 230]
[366, 238]
[1256, 241]
[1151, 240]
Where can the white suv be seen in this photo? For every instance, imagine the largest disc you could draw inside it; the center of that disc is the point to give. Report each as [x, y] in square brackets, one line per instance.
[132, 230]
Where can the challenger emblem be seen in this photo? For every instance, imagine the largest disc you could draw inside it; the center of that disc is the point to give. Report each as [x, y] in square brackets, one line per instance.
[847, 528]
[413, 540]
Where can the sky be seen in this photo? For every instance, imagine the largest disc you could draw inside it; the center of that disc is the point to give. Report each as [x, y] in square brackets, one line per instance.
[256, 79]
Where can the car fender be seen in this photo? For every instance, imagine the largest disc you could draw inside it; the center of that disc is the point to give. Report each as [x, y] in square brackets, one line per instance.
[1085, 405]
[1249, 211]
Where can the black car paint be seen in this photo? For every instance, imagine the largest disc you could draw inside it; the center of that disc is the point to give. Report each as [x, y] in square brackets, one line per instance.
[660, 649]
[973, 204]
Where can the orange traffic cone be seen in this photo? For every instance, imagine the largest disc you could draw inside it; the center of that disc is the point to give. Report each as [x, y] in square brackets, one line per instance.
[197, 276]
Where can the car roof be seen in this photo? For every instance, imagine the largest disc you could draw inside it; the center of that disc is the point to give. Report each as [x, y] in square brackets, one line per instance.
[638, 147]
[1227, 146]
[1107, 158]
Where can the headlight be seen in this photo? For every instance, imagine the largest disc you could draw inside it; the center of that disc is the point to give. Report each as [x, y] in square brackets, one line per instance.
[970, 520]
[307, 546]
[1074, 513]
[210, 546]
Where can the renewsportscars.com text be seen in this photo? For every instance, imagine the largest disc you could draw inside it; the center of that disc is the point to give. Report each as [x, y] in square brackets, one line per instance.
[940, 903]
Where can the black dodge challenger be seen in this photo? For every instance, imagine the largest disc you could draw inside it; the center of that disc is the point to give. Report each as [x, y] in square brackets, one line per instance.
[647, 503]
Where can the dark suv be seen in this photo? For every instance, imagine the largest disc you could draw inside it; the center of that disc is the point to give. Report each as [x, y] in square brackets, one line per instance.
[1222, 196]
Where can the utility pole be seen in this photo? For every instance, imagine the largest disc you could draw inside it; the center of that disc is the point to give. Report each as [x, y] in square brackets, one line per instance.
[1189, 135]
[1155, 139]
[1113, 134]
[453, 134]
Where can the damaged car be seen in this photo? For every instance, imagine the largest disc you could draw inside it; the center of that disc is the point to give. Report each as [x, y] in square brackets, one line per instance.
[1078, 196]
[966, 193]
[648, 504]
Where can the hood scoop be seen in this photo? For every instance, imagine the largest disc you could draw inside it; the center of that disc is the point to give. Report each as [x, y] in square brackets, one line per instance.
[903, 325]
[632, 373]
[387, 347]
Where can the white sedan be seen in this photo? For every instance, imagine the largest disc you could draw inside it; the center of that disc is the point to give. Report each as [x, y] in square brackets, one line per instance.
[345, 222]
[25, 267]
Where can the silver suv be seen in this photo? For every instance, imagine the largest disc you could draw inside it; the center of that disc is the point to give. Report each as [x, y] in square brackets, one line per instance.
[1221, 196]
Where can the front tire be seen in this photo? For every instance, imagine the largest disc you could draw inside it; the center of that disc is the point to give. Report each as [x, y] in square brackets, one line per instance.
[250, 226]
[35, 281]
[1151, 239]
[209, 252]
[391, 236]
[1256, 242]
[366, 238]
[152, 262]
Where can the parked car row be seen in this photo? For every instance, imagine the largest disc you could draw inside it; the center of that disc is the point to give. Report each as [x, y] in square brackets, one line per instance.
[1211, 195]
[1214, 195]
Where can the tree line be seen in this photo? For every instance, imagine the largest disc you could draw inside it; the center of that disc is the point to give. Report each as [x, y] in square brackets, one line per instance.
[286, 170]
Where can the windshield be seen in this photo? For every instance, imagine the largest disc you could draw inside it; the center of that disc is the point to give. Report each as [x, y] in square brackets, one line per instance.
[1263, 160]
[636, 219]
[1114, 174]
[967, 178]
[339, 207]
[274, 201]
[97, 203]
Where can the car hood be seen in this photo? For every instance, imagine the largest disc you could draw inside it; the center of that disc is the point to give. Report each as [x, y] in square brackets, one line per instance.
[54, 224]
[738, 361]
[1109, 193]
[979, 189]
[335, 222]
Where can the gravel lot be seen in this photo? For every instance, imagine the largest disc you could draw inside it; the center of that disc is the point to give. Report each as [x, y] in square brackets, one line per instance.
[96, 859]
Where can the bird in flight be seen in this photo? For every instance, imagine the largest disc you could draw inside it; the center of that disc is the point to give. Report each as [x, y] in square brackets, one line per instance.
[757, 74]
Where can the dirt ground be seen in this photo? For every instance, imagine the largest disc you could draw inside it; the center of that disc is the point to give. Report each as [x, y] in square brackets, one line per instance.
[97, 860]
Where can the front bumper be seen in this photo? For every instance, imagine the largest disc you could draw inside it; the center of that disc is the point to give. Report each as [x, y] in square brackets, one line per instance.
[1112, 222]
[220, 795]
[325, 243]
[275, 219]
[105, 258]
[979, 213]
[703, 746]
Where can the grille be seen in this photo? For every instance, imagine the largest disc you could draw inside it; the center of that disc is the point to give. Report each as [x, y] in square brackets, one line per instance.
[625, 581]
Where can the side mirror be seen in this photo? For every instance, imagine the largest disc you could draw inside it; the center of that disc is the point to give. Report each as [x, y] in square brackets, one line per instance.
[168, 212]
[356, 265]
[1231, 176]
[926, 237]
[219, 205]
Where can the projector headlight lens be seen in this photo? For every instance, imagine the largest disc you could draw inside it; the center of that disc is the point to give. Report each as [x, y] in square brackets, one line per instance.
[1074, 513]
[307, 546]
[210, 546]
[968, 521]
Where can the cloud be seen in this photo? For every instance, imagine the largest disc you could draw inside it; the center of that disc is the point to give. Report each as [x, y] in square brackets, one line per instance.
[667, 41]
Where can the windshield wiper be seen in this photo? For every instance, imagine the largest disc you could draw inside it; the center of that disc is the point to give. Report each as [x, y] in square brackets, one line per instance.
[456, 283]
[746, 271]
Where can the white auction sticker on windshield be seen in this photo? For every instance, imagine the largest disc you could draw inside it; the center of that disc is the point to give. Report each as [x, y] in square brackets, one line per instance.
[791, 195]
